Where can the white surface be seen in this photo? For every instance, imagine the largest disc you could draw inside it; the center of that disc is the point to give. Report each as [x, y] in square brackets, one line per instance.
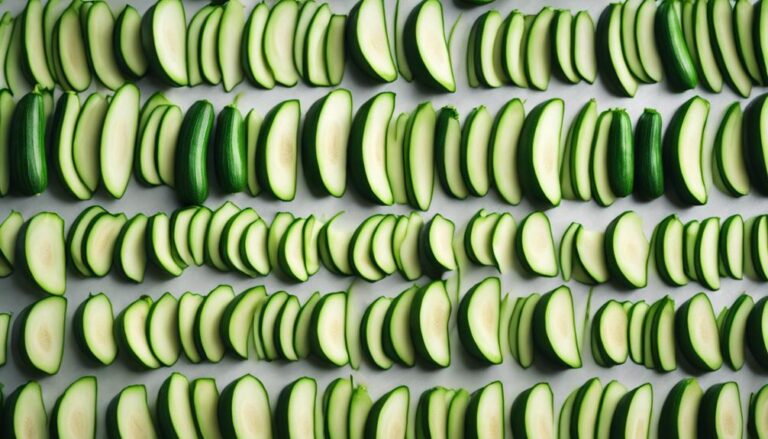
[463, 371]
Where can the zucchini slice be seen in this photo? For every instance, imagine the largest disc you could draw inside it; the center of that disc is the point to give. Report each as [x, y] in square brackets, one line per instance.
[600, 186]
[690, 234]
[278, 41]
[610, 333]
[684, 151]
[164, 37]
[431, 417]
[389, 413]
[487, 50]
[118, 137]
[174, 407]
[539, 153]
[566, 253]
[755, 145]
[579, 140]
[367, 28]
[69, 47]
[430, 312]
[215, 229]
[167, 140]
[207, 334]
[535, 247]
[5, 330]
[396, 159]
[613, 393]
[189, 303]
[706, 254]
[485, 412]
[397, 340]
[426, 49]
[533, 413]
[662, 331]
[129, 52]
[720, 413]
[478, 321]
[503, 242]
[24, 412]
[314, 51]
[231, 241]
[237, 320]
[209, 65]
[586, 405]
[159, 245]
[93, 327]
[131, 248]
[256, 66]
[521, 331]
[635, 330]
[327, 331]
[360, 250]
[721, 23]
[367, 148]
[562, 41]
[75, 237]
[629, 42]
[478, 237]
[204, 397]
[733, 330]
[584, 59]
[758, 338]
[627, 250]
[40, 332]
[758, 409]
[538, 50]
[728, 153]
[609, 51]
[74, 414]
[194, 31]
[669, 251]
[371, 328]
[277, 153]
[645, 36]
[333, 245]
[301, 332]
[697, 333]
[326, 135]
[513, 45]
[554, 328]
[633, 414]
[679, 414]
[335, 49]
[87, 139]
[589, 262]
[229, 40]
[244, 409]
[702, 39]
[306, 13]
[435, 246]
[40, 250]
[162, 324]
[504, 143]
[295, 409]
[448, 152]
[743, 25]
[99, 33]
[383, 254]
[679, 66]
[146, 160]
[131, 333]
[564, 419]
[474, 156]
[253, 248]
[62, 134]
[419, 152]
[34, 44]
[181, 220]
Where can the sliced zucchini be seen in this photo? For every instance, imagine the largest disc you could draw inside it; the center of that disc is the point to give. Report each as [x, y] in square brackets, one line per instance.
[599, 165]
[448, 153]
[419, 152]
[326, 134]
[720, 413]
[635, 330]
[627, 250]
[562, 36]
[230, 37]
[24, 412]
[360, 250]
[162, 324]
[533, 413]
[189, 304]
[733, 329]
[728, 153]
[99, 25]
[207, 334]
[485, 412]
[367, 148]
[539, 153]
[474, 156]
[758, 338]
[256, 66]
[633, 413]
[721, 26]
[159, 245]
[579, 141]
[278, 41]
[74, 414]
[757, 410]
[478, 321]
[40, 332]
[295, 409]
[367, 27]
[586, 405]
[371, 328]
[389, 413]
[396, 338]
[215, 229]
[487, 49]
[589, 262]
[706, 254]
[118, 137]
[697, 333]
[62, 134]
[93, 327]
[426, 49]
[584, 59]
[244, 409]
[669, 251]
[513, 43]
[504, 141]
[69, 47]
[327, 333]
[610, 333]
[129, 52]
[131, 333]
[613, 393]
[277, 153]
[285, 324]
[535, 247]
[554, 328]
[744, 24]
[337, 408]
[381, 245]
[684, 151]
[538, 50]
[40, 251]
[164, 37]
[609, 51]
[314, 51]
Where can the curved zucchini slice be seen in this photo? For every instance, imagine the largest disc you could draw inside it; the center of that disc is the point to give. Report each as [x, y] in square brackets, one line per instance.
[69, 47]
[755, 145]
[580, 139]
[733, 330]
[533, 413]
[306, 13]
[679, 414]
[474, 156]
[63, 133]
[327, 332]
[204, 397]
[600, 184]
[478, 321]
[295, 409]
[389, 413]
[277, 153]
[684, 151]
[668, 249]
[679, 66]
[703, 41]
[326, 135]
[758, 338]
[88, 132]
[118, 137]
[93, 327]
[99, 25]
[129, 52]
[426, 48]
[397, 340]
[627, 250]
[706, 253]
[189, 304]
[728, 153]
[539, 153]
[162, 322]
[371, 328]
[720, 412]
[24, 412]
[562, 41]
[383, 254]
[209, 66]
[314, 51]
[34, 44]
[419, 152]
[40, 251]
[538, 50]
[584, 60]
[254, 57]
[229, 40]
[361, 250]
[278, 41]
[335, 58]
[164, 36]
[159, 245]
[75, 237]
[743, 25]
[721, 24]
[208, 337]
[487, 53]
[645, 36]
[504, 144]
[244, 409]
[448, 136]
[396, 159]
[485, 412]
[629, 42]
[74, 414]
[131, 333]
[633, 414]
[174, 408]
[435, 246]
[612, 395]
[554, 329]
[758, 409]
[237, 321]
[610, 52]
[513, 44]
[253, 248]
[194, 32]
[167, 140]
[129, 414]
[535, 247]
[40, 334]
[586, 405]
[697, 333]
[367, 148]
[367, 27]
[610, 333]
[131, 248]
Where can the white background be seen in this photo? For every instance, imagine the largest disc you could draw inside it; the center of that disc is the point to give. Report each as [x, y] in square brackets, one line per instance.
[15, 294]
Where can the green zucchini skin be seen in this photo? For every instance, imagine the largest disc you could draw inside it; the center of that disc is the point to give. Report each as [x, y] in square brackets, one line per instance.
[29, 170]
[678, 64]
[229, 151]
[528, 179]
[756, 341]
[191, 153]
[754, 151]
[621, 171]
[603, 53]
[672, 166]
[649, 170]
